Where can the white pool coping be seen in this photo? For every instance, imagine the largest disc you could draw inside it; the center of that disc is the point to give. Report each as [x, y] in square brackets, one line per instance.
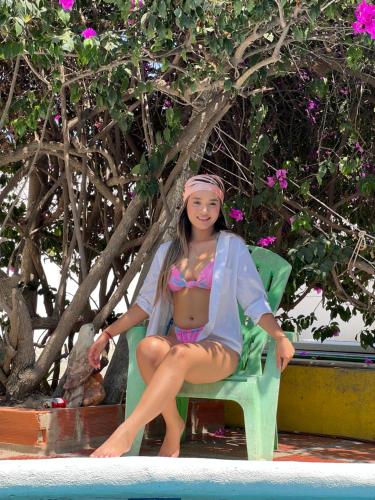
[186, 478]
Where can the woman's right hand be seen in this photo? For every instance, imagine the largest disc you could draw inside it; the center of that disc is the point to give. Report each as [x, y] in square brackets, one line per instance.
[95, 351]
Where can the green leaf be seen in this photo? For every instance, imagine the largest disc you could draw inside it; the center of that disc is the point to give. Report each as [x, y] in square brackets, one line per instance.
[250, 5]
[314, 12]
[162, 10]
[367, 185]
[237, 6]
[64, 15]
[305, 189]
[348, 166]
[75, 93]
[331, 12]
[68, 42]
[167, 134]
[177, 12]
[354, 57]
[227, 84]
[298, 34]
[10, 50]
[136, 169]
[18, 25]
[263, 144]
[319, 87]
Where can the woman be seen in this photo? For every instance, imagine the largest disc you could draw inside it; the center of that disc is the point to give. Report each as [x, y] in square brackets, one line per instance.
[190, 296]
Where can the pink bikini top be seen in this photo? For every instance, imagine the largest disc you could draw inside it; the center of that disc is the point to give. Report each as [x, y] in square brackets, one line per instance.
[177, 281]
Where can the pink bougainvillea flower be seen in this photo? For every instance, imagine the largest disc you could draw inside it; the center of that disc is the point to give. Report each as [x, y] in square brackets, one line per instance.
[281, 174]
[131, 22]
[311, 109]
[358, 27]
[312, 104]
[133, 3]
[147, 66]
[304, 75]
[57, 119]
[358, 147]
[167, 104]
[236, 214]
[365, 19]
[318, 289]
[271, 182]
[88, 33]
[66, 4]
[267, 241]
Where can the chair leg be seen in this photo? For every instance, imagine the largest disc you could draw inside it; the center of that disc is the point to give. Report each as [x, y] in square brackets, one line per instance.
[259, 446]
[252, 434]
[133, 396]
[182, 407]
[276, 442]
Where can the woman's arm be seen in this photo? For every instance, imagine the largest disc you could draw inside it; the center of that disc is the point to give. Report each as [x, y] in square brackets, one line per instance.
[132, 317]
[271, 326]
[284, 348]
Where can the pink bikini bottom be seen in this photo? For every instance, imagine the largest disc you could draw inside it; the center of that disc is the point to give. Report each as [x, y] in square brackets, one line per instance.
[185, 335]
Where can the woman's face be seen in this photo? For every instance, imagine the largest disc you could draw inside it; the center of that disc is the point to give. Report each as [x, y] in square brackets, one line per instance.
[203, 209]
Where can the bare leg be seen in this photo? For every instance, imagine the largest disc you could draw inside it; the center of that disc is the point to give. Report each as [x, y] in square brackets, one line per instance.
[203, 362]
[160, 392]
[175, 425]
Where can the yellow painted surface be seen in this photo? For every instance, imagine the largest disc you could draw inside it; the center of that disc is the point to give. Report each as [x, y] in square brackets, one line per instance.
[320, 400]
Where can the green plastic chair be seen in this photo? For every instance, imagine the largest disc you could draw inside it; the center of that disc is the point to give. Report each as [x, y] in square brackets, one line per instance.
[253, 387]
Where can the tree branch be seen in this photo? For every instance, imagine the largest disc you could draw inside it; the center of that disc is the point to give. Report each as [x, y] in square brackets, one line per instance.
[69, 178]
[4, 114]
[275, 55]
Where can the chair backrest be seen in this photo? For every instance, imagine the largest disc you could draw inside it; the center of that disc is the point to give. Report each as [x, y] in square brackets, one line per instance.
[274, 271]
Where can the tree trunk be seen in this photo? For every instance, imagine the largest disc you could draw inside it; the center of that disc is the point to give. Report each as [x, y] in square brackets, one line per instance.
[19, 348]
[32, 376]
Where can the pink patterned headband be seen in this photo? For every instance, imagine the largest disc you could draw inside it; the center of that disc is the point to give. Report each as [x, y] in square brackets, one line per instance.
[204, 182]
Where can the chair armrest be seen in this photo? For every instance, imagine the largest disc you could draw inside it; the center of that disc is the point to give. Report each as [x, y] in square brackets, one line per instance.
[134, 336]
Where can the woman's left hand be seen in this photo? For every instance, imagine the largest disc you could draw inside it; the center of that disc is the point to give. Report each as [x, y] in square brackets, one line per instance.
[284, 352]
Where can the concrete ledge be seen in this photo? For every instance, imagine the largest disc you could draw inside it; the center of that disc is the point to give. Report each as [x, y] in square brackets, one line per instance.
[184, 478]
[57, 430]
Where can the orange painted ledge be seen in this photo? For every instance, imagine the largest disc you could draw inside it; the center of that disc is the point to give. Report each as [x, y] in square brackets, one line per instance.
[57, 430]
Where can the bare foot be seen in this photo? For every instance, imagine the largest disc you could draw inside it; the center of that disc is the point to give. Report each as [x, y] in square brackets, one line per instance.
[116, 445]
[171, 443]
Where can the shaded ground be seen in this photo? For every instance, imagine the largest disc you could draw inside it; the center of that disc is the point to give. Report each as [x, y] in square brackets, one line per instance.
[230, 444]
